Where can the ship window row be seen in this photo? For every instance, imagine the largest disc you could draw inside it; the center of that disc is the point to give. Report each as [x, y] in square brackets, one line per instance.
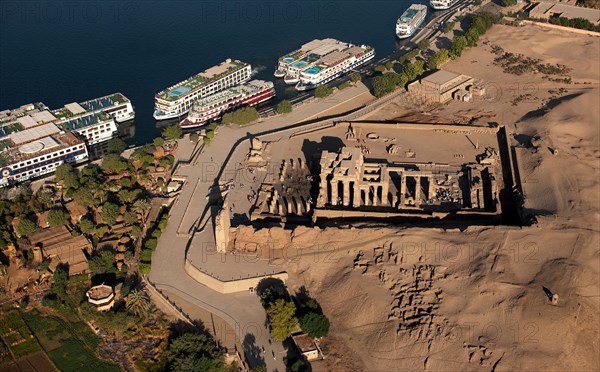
[49, 163]
[218, 85]
[49, 156]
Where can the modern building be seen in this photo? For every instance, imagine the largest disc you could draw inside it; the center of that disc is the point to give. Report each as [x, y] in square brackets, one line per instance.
[442, 86]
[102, 296]
[307, 346]
[548, 10]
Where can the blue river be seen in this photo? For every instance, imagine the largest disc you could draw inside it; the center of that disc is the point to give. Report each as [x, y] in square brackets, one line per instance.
[58, 52]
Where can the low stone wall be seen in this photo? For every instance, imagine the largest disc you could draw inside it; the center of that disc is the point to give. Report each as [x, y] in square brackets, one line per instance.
[230, 286]
[563, 28]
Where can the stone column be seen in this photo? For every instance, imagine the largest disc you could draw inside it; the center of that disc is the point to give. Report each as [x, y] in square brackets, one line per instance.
[334, 192]
[402, 189]
[356, 202]
[384, 193]
[417, 191]
[346, 199]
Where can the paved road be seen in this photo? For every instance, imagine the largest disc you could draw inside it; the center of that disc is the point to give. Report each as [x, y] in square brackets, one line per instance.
[241, 310]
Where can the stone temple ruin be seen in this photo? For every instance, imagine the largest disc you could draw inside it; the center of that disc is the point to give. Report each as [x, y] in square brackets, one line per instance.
[349, 181]
[289, 196]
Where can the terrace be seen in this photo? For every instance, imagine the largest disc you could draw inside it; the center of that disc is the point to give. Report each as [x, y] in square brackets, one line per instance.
[192, 83]
[12, 152]
[84, 121]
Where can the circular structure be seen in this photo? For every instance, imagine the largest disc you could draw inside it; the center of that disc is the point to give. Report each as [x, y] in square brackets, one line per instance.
[33, 147]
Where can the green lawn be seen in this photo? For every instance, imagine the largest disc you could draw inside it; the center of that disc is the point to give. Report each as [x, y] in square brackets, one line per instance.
[16, 335]
[71, 346]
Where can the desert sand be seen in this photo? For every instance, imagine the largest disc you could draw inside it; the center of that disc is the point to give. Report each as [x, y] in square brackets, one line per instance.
[428, 298]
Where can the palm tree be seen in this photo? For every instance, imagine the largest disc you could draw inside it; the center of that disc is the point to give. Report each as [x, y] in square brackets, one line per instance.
[138, 302]
[141, 206]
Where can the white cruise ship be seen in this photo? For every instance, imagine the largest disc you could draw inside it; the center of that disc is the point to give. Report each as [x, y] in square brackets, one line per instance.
[212, 107]
[291, 65]
[441, 4]
[32, 145]
[96, 120]
[177, 100]
[334, 65]
[410, 20]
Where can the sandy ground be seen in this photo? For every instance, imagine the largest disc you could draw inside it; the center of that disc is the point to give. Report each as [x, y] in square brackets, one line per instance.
[434, 299]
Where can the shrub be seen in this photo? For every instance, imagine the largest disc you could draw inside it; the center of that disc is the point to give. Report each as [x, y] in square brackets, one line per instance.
[145, 269]
[242, 116]
[172, 132]
[146, 255]
[355, 77]
[151, 244]
[323, 91]
[344, 85]
[284, 107]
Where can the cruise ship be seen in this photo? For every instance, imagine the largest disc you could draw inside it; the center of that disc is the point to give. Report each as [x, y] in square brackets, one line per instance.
[291, 65]
[177, 100]
[96, 120]
[334, 65]
[212, 107]
[441, 4]
[33, 145]
[410, 20]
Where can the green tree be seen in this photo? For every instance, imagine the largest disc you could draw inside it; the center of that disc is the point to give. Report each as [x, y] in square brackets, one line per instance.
[112, 163]
[193, 352]
[355, 77]
[116, 146]
[141, 207]
[59, 284]
[316, 325]
[509, 2]
[26, 226]
[323, 91]
[424, 44]
[172, 132]
[87, 226]
[472, 36]
[130, 218]
[194, 137]
[67, 175]
[138, 303]
[103, 263]
[458, 45]
[85, 197]
[413, 70]
[109, 213]
[56, 217]
[282, 320]
[46, 196]
[284, 107]
[128, 196]
[158, 142]
[449, 26]
[389, 65]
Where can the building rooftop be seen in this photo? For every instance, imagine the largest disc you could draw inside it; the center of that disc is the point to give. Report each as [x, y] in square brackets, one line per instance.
[546, 9]
[440, 77]
[100, 292]
[195, 82]
[304, 342]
